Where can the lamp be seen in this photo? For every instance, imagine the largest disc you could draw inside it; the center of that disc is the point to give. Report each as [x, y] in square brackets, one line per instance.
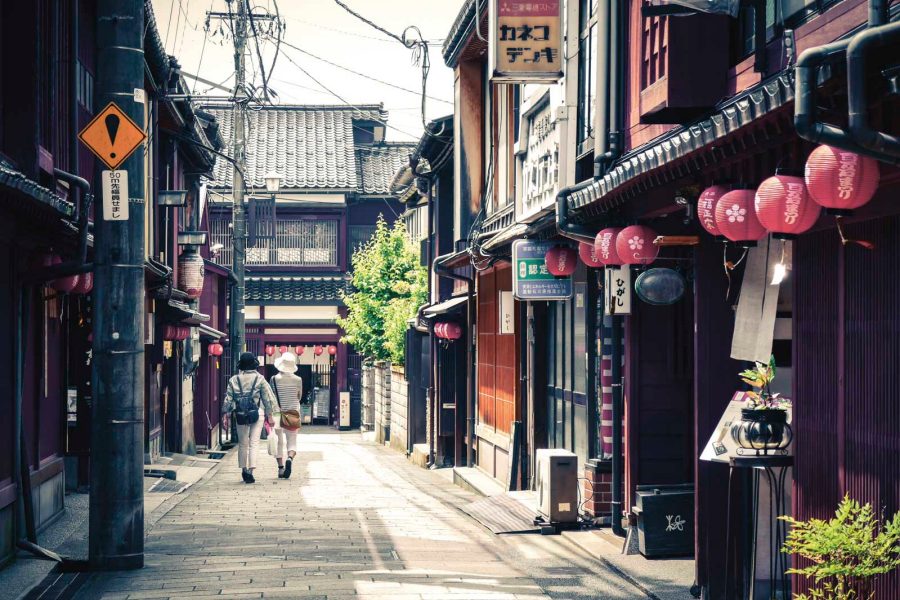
[192, 238]
[273, 182]
[171, 197]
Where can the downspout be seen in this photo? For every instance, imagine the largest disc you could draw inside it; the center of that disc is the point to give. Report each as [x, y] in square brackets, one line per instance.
[566, 228]
[615, 89]
[601, 140]
[857, 56]
[443, 271]
[806, 71]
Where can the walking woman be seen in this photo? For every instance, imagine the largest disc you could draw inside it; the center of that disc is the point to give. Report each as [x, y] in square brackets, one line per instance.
[288, 389]
[249, 397]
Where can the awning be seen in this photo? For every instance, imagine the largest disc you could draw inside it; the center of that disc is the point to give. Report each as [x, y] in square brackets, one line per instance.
[506, 236]
[454, 260]
[208, 332]
[179, 312]
[444, 307]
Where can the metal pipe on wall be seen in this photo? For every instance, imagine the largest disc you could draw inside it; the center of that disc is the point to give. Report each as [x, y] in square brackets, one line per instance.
[617, 409]
[858, 53]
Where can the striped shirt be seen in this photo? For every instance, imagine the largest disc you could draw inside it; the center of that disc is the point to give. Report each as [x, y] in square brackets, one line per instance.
[290, 391]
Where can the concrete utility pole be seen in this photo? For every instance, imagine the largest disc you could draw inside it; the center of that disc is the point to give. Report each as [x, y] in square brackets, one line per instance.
[116, 535]
[236, 323]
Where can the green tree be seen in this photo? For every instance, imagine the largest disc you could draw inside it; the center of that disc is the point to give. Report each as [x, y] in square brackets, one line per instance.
[846, 553]
[388, 286]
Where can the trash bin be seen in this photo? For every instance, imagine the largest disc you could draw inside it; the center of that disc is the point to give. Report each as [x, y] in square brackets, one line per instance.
[665, 519]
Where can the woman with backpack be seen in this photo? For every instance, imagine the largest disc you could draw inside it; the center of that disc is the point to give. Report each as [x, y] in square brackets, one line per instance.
[249, 397]
[288, 389]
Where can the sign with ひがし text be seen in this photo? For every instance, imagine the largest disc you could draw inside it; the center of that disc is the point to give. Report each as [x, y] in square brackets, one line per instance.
[526, 41]
[531, 278]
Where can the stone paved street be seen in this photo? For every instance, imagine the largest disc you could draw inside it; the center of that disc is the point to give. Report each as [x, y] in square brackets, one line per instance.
[356, 521]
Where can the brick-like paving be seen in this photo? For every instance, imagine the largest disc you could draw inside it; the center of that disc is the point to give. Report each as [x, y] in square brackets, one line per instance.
[356, 521]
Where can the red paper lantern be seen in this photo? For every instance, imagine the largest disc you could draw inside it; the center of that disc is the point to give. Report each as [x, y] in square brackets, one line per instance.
[448, 331]
[63, 284]
[706, 208]
[736, 217]
[215, 349]
[282, 349]
[587, 255]
[560, 261]
[840, 180]
[783, 206]
[270, 350]
[318, 350]
[332, 350]
[183, 333]
[298, 350]
[170, 333]
[85, 283]
[635, 246]
[605, 246]
[191, 272]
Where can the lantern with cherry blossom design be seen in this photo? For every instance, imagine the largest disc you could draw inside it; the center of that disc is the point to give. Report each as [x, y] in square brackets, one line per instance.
[587, 255]
[560, 261]
[706, 208]
[270, 350]
[736, 217]
[318, 350]
[605, 247]
[635, 246]
[332, 350]
[783, 206]
[840, 180]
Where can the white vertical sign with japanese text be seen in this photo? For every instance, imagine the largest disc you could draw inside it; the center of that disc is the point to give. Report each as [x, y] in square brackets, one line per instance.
[617, 290]
[115, 195]
[507, 313]
[526, 41]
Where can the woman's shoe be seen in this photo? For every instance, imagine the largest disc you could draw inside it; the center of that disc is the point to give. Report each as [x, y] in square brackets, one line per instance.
[250, 478]
[287, 468]
[280, 472]
[245, 474]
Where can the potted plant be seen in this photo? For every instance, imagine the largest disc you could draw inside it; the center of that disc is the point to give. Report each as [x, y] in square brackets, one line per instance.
[763, 426]
[844, 555]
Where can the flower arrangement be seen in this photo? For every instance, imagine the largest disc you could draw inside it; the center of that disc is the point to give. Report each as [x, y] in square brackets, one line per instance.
[760, 378]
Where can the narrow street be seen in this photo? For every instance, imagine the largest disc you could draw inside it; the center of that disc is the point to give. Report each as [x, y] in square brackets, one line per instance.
[355, 521]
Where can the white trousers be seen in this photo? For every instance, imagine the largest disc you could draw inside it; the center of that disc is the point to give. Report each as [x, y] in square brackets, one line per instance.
[285, 438]
[248, 442]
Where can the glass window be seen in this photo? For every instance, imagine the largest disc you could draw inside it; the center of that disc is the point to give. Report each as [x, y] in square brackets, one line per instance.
[579, 363]
[587, 75]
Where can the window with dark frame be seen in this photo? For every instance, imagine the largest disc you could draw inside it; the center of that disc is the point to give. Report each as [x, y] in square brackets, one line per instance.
[587, 74]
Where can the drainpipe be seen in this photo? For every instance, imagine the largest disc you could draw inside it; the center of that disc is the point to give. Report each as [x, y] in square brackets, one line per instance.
[857, 56]
[615, 504]
[615, 71]
[805, 120]
[442, 271]
[579, 233]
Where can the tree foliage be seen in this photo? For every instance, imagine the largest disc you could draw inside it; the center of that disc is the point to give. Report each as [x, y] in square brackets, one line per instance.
[389, 285]
[846, 553]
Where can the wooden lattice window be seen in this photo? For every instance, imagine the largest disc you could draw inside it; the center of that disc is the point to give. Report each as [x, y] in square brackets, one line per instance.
[654, 44]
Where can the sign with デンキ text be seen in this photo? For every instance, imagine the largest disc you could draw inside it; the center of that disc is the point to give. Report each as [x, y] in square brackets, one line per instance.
[526, 41]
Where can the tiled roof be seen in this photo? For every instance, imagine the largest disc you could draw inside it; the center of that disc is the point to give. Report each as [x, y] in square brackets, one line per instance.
[379, 163]
[323, 289]
[10, 178]
[311, 147]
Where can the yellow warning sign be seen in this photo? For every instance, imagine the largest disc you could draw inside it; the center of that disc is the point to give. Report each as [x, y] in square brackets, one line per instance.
[112, 136]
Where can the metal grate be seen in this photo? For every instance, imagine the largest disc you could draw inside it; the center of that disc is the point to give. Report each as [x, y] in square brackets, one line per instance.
[297, 242]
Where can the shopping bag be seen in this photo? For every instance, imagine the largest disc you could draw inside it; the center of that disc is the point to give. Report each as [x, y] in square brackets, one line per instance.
[272, 445]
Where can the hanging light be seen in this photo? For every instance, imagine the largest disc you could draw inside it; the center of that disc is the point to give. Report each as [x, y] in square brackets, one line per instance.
[190, 273]
[318, 350]
[560, 261]
[736, 217]
[587, 255]
[706, 208]
[63, 284]
[605, 246]
[448, 330]
[839, 180]
[273, 182]
[270, 350]
[282, 349]
[635, 246]
[85, 283]
[783, 206]
[215, 349]
[332, 350]
[298, 350]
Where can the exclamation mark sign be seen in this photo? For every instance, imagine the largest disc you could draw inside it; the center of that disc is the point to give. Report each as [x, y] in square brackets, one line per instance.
[112, 128]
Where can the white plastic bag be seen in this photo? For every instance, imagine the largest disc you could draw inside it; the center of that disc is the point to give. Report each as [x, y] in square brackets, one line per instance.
[272, 443]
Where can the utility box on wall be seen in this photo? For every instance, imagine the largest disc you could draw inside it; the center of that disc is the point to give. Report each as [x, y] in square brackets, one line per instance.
[557, 485]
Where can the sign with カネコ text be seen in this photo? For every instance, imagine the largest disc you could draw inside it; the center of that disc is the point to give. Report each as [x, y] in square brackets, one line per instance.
[526, 40]
[115, 195]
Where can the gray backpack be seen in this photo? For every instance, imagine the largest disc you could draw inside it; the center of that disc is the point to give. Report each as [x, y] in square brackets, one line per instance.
[246, 411]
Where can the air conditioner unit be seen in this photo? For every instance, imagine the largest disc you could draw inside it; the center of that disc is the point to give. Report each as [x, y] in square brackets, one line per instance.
[556, 479]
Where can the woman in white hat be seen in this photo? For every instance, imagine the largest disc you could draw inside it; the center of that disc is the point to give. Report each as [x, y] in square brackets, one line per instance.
[288, 388]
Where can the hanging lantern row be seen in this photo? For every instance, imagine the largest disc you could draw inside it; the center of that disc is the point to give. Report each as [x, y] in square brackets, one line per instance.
[633, 245]
[215, 349]
[605, 246]
[176, 333]
[299, 350]
[560, 261]
[589, 256]
[787, 204]
[191, 272]
[318, 350]
[447, 330]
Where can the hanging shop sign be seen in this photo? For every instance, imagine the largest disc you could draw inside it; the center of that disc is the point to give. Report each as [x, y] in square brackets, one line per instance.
[112, 136]
[660, 287]
[617, 290]
[532, 280]
[526, 41]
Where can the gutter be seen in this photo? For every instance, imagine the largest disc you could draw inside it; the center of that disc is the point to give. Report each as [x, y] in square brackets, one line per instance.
[858, 101]
[566, 228]
[611, 59]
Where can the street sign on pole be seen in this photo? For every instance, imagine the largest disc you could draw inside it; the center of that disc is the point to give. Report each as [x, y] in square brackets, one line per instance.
[531, 279]
[115, 195]
[112, 136]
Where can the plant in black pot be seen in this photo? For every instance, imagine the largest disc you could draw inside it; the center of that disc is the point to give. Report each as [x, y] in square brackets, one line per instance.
[763, 428]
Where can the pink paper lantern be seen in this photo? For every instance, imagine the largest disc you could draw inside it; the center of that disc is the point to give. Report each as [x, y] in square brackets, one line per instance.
[318, 350]
[736, 217]
[587, 255]
[191, 272]
[840, 180]
[270, 350]
[635, 246]
[783, 206]
[299, 350]
[216, 349]
[332, 350]
[282, 349]
[605, 247]
[706, 208]
[560, 261]
[85, 283]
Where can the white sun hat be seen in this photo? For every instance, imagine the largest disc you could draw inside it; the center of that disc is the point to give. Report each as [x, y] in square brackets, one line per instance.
[286, 363]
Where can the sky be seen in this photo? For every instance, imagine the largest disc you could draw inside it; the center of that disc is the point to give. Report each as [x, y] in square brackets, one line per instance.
[324, 29]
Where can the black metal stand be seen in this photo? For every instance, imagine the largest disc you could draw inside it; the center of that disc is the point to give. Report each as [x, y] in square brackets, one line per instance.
[763, 465]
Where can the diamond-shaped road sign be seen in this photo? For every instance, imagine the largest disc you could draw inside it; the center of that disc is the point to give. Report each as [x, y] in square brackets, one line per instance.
[112, 136]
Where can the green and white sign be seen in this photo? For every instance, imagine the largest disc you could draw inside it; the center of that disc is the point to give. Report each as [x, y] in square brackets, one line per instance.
[531, 279]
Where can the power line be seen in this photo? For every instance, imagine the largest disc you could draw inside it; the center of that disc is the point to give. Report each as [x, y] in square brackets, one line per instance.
[370, 23]
[349, 70]
[435, 42]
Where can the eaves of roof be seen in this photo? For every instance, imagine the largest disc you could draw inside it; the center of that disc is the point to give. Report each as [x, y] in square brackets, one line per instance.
[20, 183]
[325, 289]
[461, 31]
[680, 142]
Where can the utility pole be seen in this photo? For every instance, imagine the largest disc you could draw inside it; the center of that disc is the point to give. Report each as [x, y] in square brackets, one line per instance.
[116, 535]
[236, 323]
